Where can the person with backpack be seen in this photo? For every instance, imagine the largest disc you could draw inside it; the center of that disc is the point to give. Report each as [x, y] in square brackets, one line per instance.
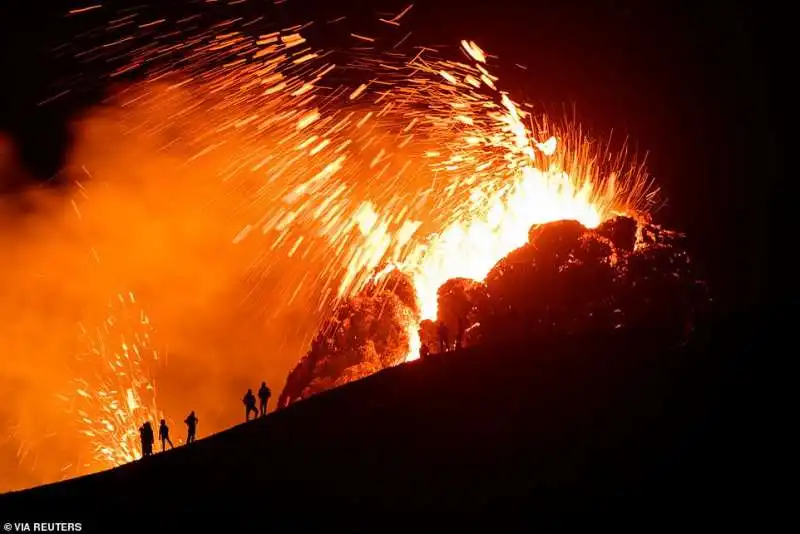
[250, 405]
[191, 425]
[147, 437]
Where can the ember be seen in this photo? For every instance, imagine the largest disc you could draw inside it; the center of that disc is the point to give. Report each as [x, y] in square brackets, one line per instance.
[422, 208]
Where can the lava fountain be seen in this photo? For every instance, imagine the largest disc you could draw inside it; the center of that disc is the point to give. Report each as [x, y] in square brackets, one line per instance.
[428, 167]
[115, 391]
[494, 173]
[530, 182]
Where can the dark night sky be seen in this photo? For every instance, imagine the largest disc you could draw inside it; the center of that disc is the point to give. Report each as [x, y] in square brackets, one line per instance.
[689, 84]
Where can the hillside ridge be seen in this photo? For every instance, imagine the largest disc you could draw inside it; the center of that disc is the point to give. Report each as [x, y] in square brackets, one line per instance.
[559, 430]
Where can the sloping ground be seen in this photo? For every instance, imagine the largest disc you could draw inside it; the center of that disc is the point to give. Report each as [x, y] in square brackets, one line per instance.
[602, 427]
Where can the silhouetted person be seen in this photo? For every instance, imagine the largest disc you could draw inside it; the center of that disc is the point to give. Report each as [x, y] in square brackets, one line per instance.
[143, 440]
[163, 434]
[147, 436]
[264, 394]
[443, 336]
[191, 424]
[250, 405]
[150, 436]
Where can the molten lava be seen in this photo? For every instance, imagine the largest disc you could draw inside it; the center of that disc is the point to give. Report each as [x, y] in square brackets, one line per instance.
[565, 279]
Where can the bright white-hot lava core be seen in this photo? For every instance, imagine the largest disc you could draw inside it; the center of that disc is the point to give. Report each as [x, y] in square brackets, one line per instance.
[530, 182]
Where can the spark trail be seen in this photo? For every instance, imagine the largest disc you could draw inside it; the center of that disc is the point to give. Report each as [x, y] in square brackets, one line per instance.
[341, 163]
[117, 392]
[428, 165]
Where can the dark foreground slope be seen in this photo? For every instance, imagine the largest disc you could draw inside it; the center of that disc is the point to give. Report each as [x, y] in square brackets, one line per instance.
[594, 429]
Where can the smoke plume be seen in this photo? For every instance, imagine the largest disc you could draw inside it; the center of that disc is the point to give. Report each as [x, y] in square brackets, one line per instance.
[134, 218]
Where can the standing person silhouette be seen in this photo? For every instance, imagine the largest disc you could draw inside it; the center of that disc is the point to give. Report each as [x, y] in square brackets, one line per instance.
[264, 394]
[163, 434]
[250, 405]
[146, 433]
[143, 440]
[191, 424]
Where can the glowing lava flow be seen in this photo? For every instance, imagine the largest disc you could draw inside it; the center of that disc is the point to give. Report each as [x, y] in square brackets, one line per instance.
[119, 394]
[471, 248]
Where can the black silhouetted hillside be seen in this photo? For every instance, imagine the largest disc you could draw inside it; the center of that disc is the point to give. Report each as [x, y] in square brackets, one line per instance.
[605, 429]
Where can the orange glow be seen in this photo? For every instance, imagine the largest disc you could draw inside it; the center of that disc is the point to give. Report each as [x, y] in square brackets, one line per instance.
[118, 394]
[501, 199]
[242, 196]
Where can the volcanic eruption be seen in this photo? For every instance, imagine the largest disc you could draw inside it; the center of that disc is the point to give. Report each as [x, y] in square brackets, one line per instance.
[567, 279]
[278, 204]
[597, 268]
